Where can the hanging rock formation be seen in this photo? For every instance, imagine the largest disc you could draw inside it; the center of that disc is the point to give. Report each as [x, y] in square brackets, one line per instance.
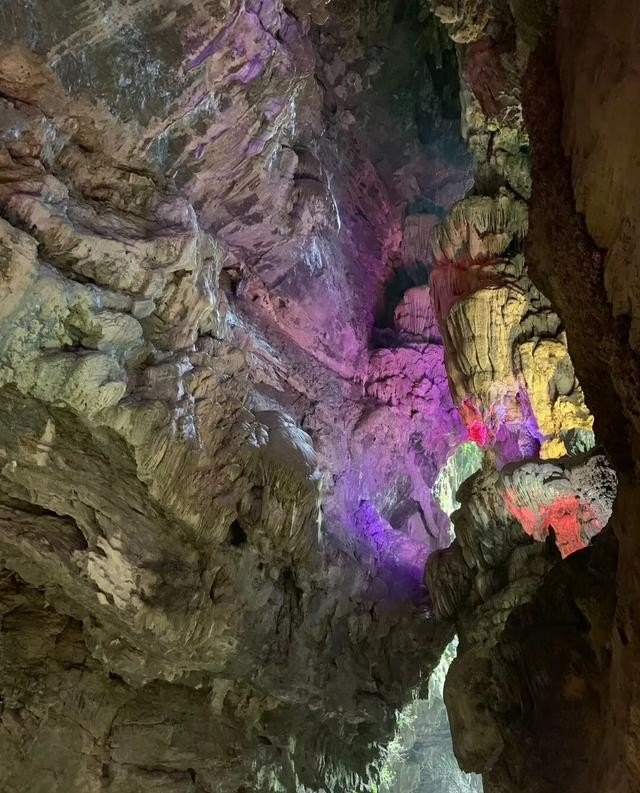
[547, 655]
[255, 291]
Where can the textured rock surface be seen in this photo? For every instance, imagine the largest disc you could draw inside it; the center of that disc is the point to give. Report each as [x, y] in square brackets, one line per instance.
[253, 295]
[217, 448]
[491, 572]
[509, 368]
[586, 97]
[420, 756]
[542, 696]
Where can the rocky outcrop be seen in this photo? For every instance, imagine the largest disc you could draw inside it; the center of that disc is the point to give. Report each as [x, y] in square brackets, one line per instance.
[573, 500]
[533, 630]
[514, 384]
[545, 673]
[509, 368]
[420, 754]
[217, 447]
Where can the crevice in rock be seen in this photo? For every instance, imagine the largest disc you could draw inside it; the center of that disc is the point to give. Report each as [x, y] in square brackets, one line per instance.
[237, 536]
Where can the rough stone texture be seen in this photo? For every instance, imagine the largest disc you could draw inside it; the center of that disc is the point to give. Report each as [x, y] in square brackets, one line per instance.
[515, 609]
[420, 756]
[549, 681]
[509, 370]
[586, 99]
[548, 701]
[531, 696]
[414, 315]
[217, 449]
[573, 500]
[506, 355]
[248, 308]
[598, 80]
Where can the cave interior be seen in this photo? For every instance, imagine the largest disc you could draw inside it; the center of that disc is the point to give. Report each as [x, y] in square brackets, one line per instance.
[319, 396]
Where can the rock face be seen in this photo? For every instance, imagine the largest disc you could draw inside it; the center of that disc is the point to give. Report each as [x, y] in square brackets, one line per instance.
[217, 445]
[498, 585]
[514, 383]
[586, 94]
[254, 293]
[547, 657]
[419, 756]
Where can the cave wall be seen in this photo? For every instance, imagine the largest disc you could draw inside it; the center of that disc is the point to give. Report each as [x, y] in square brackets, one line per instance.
[591, 136]
[222, 405]
[542, 696]
[254, 292]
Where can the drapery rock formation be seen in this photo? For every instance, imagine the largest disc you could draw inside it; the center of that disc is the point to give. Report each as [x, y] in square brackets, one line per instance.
[514, 383]
[212, 556]
[255, 291]
[541, 697]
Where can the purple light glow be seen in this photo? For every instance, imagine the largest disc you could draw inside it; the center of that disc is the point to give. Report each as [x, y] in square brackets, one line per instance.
[401, 558]
[242, 50]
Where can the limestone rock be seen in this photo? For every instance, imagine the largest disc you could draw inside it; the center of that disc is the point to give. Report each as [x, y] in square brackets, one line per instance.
[467, 20]
[215, 500]
[414, 314]
[574, 500]
[544, 668]
[253, 294]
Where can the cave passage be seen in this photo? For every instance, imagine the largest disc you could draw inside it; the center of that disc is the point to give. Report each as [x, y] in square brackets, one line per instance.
[318, 396]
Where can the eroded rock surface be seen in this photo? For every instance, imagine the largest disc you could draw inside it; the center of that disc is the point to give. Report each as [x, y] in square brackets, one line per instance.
[254, 292]
[541, 696]
[217, 447]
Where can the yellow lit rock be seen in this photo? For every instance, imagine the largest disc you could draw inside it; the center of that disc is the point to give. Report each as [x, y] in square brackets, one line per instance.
[554, 393]
[479, 340]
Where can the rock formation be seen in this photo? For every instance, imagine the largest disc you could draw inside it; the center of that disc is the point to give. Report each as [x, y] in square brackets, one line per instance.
[215, 491]
[547, 654]
[256, 290]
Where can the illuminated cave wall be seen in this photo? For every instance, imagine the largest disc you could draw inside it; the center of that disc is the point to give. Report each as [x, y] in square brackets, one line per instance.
[529, 538]
[223, 402]
[245, 320]
[461, 465]
[420, 757]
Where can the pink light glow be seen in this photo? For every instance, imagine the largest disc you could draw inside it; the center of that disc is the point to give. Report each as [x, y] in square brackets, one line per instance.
[507, 425]
[478, 433]
[573, 521]
[477, 429]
